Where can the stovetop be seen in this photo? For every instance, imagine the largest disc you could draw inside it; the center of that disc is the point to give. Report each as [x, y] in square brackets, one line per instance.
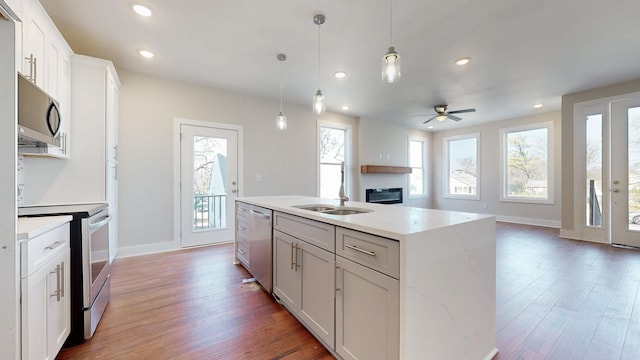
[82, 210]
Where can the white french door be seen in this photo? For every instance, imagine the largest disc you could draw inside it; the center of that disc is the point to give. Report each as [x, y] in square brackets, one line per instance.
[208, 184]
[625, 172]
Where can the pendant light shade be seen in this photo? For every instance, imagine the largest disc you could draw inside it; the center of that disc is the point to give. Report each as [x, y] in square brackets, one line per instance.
[318, 103]
[391, 65]
[318, 99]
[281, 120]
[391, 60]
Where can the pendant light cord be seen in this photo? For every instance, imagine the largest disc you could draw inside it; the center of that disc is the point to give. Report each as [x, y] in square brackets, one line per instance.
[390, 22]
[281, 76]
[319, 55]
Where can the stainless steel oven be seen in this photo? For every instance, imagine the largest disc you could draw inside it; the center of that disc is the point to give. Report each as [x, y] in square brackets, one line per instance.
[90, 265]
[96, 269]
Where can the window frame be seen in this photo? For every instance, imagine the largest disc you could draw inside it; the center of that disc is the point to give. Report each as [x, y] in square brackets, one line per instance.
[446, 141]
[504, 132]
[425, 188]
[347, 155]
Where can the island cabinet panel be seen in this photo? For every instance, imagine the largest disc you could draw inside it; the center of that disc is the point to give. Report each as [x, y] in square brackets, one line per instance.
[376, 252]
[367, 313]
[314, 232]
[304, 281]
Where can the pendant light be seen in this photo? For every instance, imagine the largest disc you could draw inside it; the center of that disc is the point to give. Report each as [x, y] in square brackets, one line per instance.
[281, 120]
[391, 60]
[318, 98]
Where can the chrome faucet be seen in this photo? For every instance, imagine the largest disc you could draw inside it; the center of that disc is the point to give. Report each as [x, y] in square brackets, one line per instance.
[341, 194]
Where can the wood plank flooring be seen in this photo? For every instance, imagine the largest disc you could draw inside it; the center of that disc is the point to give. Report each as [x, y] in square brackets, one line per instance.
[556, 299]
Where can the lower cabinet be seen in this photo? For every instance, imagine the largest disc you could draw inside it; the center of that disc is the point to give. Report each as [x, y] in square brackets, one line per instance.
[367, 313]
[45, 295]
[304, 281]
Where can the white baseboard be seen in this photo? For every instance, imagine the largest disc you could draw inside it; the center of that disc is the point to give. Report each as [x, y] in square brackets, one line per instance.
[128, 251]
[491, 354]
[573, 235]
[529, 221]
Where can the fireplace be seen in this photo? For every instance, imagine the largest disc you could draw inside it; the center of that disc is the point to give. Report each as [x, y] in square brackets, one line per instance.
[384, 195]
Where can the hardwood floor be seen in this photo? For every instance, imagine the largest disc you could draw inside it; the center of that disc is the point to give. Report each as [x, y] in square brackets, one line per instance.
[556, 299]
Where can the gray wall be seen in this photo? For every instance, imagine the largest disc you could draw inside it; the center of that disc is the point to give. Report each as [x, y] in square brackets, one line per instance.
[490, 172]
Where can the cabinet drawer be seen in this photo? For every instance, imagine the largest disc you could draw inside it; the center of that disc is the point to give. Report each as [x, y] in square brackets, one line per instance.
[314, 232]
[375, 252]
[243, 210]
[41, 249]
[243, 226]
[242, 251]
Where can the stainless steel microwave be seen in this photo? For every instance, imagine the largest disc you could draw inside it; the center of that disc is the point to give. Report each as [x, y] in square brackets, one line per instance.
[38, 118]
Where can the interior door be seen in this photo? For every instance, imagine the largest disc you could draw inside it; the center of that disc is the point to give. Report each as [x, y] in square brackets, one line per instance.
[625, 172]
[209, 184]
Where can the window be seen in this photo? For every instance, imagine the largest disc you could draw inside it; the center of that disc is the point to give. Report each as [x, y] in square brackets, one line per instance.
[594, 167]
[334, 150]
[526, 163]
[461, 166]
[417, 158]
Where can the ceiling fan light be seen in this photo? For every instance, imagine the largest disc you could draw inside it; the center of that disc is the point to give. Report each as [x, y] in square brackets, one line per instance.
[281, 121]
[391, 66]
[318, 103]
[441, 118]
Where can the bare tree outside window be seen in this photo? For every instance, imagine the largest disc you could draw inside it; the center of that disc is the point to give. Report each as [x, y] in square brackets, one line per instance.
[332, 154]
[527, 162]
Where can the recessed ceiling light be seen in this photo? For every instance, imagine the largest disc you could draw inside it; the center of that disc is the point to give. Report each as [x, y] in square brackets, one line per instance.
[146, 53]
[345, 107]
[463, 61]
[142, 10]
[538, 106]
[340, 74]
[430, 127]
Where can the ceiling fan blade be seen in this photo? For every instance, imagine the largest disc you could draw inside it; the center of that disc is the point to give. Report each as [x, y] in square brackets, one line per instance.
[453, 117]
[429, 120]
[462, 111]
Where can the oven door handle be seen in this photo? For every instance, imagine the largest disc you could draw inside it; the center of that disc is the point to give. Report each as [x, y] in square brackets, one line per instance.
[100, 223]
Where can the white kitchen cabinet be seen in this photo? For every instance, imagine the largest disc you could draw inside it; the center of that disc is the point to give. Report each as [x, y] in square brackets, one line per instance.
[304, 278]
[46, 61]
[45, 293]
[367, 313]
[94, 108]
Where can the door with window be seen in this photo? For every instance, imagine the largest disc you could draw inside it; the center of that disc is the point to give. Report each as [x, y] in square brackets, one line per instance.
[625, 172]
[208, 184]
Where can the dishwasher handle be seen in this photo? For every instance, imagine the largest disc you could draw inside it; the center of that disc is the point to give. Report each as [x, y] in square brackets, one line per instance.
[260, 214]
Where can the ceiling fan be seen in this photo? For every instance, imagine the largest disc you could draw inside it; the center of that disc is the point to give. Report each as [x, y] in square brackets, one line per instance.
[442, 114]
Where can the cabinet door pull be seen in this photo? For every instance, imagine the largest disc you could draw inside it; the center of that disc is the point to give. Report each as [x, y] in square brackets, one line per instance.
[370, 253]
[242, 227]
[292, 263]
[56, 293]
[62, 280]
[337, 276]
[298, 249]
[54, 245]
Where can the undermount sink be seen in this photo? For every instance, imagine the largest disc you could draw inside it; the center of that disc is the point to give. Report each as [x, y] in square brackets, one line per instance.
[333, 210]
[346, 211]
[315, 207]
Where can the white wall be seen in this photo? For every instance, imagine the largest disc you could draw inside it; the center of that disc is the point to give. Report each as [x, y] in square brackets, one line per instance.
[286, 160]
[490, 172]
[386, 143]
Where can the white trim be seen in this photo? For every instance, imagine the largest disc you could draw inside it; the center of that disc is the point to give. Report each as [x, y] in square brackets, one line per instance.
[504, 132]
[425, 175]
[177, 123]
[445, 142]
[348, 150]
[529, 221]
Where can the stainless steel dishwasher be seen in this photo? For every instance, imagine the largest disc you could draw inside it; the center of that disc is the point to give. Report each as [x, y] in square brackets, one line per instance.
[253, 242]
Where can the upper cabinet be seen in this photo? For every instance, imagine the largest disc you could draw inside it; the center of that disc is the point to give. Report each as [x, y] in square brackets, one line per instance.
[46, 61]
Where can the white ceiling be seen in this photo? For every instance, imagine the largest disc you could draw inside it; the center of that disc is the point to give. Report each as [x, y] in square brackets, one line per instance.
[522, 52]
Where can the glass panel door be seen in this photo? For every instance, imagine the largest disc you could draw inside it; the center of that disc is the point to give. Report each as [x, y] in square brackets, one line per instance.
[625, 172]
[208, 184]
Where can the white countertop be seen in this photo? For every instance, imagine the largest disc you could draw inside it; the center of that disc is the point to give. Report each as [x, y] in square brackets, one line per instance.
[30, 227]
[392, 221]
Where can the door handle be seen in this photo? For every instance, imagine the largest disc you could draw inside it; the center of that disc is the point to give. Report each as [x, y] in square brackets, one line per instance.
[616, 190]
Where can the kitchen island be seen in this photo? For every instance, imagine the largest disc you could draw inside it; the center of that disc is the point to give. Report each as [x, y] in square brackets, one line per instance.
[444, 286]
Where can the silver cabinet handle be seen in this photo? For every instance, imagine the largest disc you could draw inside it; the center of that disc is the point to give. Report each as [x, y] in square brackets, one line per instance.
[241, 251]
[242, 228]
[54, 245]
[62, 281]
[105, 220]
[370, 253]
[260, 214]
[56, 293]
[292, 264]
[337, 276]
